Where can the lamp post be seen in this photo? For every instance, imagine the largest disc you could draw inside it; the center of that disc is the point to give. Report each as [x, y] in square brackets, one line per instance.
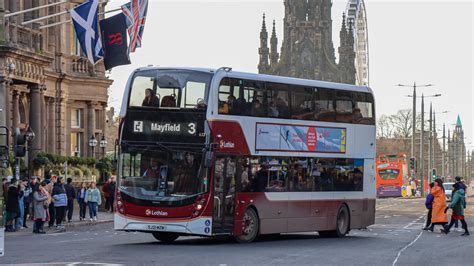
[103, 144]
[29, 137]
[92, 144]
[414, 118]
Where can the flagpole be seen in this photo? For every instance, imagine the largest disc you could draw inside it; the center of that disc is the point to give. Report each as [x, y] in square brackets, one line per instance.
[35, 8]
[54, 24]
[45, 17]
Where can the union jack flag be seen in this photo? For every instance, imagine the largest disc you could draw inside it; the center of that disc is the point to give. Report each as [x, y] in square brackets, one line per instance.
[135, 16]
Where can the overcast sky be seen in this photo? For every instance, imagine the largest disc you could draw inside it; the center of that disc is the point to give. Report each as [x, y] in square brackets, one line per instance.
[423, 41]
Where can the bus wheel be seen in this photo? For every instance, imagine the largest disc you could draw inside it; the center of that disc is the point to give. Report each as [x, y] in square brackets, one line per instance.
[165, 236]
[250, 227]
[342, 224]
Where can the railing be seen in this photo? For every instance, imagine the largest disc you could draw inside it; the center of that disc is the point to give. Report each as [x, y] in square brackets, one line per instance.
[24, 37]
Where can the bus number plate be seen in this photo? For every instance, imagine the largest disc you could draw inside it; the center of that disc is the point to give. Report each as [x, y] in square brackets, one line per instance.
[155, 227]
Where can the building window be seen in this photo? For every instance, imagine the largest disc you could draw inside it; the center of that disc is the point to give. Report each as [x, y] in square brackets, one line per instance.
[98, 119]
[76, 144]
[76, 117]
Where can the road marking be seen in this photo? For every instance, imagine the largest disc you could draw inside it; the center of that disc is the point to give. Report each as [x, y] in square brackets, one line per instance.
[405, 247]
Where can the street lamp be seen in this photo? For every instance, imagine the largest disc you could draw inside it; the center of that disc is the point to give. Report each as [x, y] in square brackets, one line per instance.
[92, 144]
[414, 119]
[103, 144]
[29, 137]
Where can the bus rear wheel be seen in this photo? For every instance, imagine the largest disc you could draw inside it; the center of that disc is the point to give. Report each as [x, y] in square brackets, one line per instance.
[342, 224]
[165, 236]
[250, 227]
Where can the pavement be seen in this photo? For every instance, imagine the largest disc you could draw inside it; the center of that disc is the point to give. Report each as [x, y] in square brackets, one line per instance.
[395, 239]
[102, 217]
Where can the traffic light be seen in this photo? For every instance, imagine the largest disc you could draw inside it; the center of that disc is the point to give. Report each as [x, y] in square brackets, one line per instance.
[433, 173]
[412, 163]
[20, 144]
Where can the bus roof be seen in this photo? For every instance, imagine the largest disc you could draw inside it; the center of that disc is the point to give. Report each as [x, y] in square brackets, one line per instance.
[269, 78]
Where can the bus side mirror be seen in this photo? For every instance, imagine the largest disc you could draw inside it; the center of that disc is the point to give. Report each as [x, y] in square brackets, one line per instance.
[208, 159]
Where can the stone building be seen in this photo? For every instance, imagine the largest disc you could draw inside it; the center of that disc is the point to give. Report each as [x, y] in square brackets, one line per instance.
[46, 83]
[456, 151]
[307, 49]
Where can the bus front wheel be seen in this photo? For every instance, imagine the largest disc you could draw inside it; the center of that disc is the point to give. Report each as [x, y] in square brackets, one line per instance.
[342, 224]
[250, 227]
[165, 236]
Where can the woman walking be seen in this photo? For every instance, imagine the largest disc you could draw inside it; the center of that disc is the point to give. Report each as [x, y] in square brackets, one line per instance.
[438, 215]
[457, 204]
[40, 206]
[93, 200]
[81, 200]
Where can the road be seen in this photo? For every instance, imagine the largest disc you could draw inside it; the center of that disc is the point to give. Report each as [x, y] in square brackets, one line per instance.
[396, 238]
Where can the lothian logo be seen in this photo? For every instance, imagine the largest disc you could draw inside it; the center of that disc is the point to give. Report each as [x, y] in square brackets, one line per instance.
[149, 212]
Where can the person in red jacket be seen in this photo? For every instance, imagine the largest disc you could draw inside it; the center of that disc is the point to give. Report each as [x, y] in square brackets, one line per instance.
[105, 191]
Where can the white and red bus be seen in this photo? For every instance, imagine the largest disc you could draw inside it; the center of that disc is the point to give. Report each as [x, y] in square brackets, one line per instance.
[211, 152]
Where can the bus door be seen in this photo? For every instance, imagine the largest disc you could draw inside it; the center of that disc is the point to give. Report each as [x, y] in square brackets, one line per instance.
[224, 194]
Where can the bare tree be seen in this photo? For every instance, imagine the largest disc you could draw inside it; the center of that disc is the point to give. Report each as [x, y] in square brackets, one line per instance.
[385, 129]
[402, 122]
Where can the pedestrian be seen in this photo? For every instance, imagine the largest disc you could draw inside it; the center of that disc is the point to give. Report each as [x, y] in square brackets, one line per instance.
[60, 202]
[28, 200]
[81, 196]
[438, 216]
[93, 200]
[105, 190]
[413, 187]
[40, 207]
[429, 206]
[457, 204]
[111, 190]
[21, 204]
[49, 188]
[71, 195]
[13, 206]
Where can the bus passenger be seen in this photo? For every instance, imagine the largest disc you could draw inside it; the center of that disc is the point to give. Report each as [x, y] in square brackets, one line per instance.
[272, 109]
[356, 115]
[261, 179]
[154, 170]
[283, 109]
[151, 99]
[231, 104]
[257, 108]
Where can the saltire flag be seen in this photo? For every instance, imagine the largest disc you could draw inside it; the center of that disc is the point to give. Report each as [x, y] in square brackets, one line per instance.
[114, 36]
[86, 27]
[135, 16]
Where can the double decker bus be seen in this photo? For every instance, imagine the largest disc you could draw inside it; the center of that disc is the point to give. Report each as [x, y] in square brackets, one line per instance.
[210, 152]
[392, 170]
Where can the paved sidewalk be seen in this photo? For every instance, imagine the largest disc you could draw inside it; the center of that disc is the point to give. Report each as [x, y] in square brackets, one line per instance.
[102, 217]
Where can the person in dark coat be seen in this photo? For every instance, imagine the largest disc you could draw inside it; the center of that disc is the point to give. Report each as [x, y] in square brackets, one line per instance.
[151, 99]
[13, 205]
[81, 195]
[429, 206]
[71, 195]
[111, 191]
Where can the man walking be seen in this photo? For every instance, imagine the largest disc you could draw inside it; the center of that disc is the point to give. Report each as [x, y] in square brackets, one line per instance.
[71, 195]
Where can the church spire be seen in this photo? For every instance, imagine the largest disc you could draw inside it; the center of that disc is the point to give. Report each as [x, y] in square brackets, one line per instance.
[274, 48]
[458, 122]
[263, 66]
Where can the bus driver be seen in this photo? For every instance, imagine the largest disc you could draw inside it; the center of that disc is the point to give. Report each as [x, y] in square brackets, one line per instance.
[154, 170]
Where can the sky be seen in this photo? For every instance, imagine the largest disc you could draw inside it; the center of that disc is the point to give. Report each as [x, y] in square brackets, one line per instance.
[422, 41]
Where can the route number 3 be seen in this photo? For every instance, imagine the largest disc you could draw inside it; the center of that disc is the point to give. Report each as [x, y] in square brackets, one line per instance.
[192, 128]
